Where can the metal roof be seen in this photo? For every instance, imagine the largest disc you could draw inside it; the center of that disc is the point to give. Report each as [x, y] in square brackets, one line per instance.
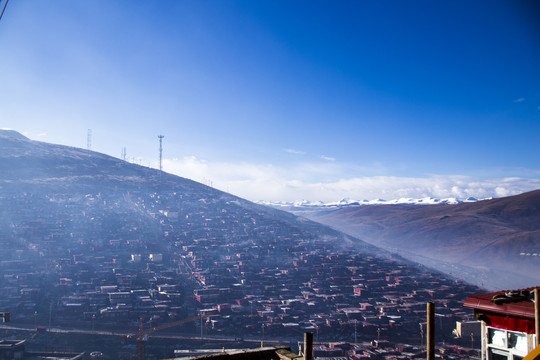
[515, 303]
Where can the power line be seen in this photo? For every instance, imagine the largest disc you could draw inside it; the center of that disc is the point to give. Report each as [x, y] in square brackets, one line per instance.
[3, 9]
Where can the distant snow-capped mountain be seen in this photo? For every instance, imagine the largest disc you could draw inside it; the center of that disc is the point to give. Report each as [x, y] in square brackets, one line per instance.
[345, 202]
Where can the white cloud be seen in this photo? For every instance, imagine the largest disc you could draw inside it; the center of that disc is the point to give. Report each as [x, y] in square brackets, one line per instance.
[41, 135]
[327, 158]
[189, 167]
[519, 100]
[272, 183]
[295, 152]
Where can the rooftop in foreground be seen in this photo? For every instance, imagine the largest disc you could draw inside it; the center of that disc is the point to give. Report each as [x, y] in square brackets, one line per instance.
[264, 353]
[518, 303]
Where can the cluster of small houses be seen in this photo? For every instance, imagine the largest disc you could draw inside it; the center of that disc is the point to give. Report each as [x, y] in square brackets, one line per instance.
[259, 280]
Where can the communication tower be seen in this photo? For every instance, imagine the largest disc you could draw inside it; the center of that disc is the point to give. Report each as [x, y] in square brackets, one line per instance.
[160, 151]
[89, 141]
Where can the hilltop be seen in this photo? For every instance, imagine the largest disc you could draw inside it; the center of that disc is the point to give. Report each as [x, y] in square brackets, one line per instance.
[66, 174]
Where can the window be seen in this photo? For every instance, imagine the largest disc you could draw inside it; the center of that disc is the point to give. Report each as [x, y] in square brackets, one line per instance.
[497, 337]
[495, 354]
[517, 341]
[506, 345]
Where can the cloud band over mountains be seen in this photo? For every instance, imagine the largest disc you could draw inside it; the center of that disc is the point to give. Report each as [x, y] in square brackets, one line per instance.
[267, 182]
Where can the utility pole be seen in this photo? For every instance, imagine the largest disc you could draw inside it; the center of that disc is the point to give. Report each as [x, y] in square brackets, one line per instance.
[537, 315]
[430, 331]
[50, 315]
[141, 341]
[308, 346]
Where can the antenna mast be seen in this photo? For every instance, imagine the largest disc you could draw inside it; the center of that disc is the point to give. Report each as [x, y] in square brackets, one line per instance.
[89, 141]
[160, 151]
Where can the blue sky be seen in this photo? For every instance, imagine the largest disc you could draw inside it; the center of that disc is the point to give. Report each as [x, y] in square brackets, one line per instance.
[287, 100]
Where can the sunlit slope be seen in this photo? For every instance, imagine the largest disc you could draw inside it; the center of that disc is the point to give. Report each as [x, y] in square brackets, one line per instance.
[51, 179]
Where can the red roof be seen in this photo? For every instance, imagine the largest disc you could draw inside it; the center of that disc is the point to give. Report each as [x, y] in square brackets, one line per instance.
[514, 303]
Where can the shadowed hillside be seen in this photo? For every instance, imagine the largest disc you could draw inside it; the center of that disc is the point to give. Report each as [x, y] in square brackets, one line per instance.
[500, 237]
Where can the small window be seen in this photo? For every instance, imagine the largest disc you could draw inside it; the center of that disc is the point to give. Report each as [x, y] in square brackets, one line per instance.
[517, 341]
[495, 354]
[497, 337]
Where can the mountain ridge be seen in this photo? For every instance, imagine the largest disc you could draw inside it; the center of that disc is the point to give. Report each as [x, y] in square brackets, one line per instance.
[34, 167]
[29, 166]
[305, 204]
[493, 236]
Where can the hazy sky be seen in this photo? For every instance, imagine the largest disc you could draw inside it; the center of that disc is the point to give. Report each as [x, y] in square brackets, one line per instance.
[287, 100]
